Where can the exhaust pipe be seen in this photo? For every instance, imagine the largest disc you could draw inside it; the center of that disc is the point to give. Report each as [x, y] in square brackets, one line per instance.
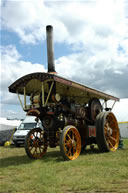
[50, 50]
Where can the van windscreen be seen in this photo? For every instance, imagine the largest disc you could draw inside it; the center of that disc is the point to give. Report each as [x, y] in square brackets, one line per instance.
[27, 126]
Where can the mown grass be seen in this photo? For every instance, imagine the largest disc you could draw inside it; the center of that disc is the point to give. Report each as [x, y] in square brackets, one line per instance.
[92, 172]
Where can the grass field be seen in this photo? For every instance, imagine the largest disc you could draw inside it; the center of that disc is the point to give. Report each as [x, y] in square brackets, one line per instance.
[92, 172]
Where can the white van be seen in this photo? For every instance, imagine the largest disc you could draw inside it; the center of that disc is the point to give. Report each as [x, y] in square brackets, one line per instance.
[27, 124]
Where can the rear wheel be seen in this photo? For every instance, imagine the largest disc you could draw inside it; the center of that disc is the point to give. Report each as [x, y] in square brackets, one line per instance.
[35, 144]
[70, 143]
[107, 132]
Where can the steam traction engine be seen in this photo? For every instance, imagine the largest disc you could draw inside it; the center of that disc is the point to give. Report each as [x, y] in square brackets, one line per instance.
[71, 113]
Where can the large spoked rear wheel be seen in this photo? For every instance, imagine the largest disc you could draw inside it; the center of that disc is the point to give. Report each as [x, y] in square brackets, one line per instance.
[107, 132]
[70, 143]
[35, 144]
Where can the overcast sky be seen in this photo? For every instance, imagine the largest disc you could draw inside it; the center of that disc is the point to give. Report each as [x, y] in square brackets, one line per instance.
[90, 42]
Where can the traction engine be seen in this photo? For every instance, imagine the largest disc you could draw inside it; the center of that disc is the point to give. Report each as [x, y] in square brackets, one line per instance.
[73, 115]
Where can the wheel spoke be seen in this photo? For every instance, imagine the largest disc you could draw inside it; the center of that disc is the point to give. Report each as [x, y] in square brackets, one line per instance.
[110, 142]
[33, 134]
[111, 122]
[113, 138]
[68, 144]
[31, 148]
[109, 119]
[68, 136]
[114, 130]
[105, 128]
[34, 151]
[73, 136]
[69, 152]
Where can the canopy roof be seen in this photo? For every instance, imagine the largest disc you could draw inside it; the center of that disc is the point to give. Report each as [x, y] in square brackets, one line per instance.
[33, 82]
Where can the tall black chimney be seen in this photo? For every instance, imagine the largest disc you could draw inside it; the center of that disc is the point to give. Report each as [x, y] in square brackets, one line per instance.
[50, 50]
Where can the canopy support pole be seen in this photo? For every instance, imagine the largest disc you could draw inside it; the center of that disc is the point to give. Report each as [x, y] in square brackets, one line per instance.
[42, 94]
[49, 93]
[20, 100]
[24, 98]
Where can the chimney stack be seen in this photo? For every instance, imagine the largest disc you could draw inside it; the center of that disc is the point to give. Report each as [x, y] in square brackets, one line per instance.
[50, 49]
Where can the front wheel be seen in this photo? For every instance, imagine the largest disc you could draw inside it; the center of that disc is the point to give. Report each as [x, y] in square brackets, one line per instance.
[35, 144]
[70, 143]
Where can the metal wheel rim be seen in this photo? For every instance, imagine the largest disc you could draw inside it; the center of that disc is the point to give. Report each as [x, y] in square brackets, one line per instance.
[37, 146]
[111, 132]
[72, 143]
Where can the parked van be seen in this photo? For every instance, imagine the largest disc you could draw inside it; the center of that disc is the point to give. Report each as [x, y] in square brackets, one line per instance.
[27, 124]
